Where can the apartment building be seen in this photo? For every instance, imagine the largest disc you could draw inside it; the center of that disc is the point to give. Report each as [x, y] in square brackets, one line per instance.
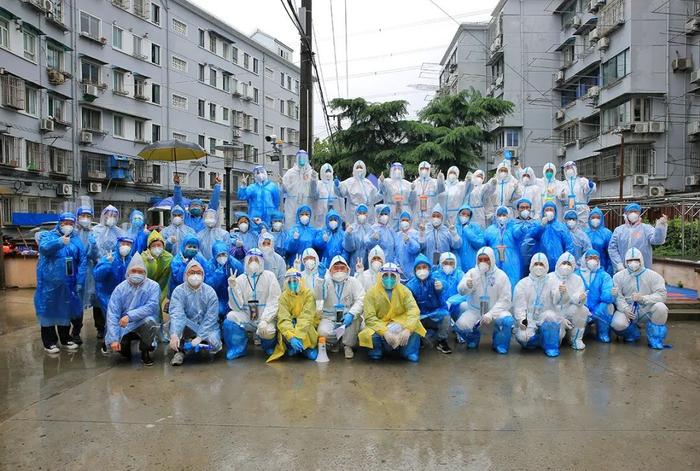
[84, 85]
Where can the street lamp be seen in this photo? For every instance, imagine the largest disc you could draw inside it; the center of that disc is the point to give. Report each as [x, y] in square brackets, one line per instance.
[229, 151]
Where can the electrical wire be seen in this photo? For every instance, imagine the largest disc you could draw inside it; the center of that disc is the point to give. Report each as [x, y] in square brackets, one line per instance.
[335, 54]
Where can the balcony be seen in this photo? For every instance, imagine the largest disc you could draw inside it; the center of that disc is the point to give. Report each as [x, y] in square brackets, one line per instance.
[612, 16]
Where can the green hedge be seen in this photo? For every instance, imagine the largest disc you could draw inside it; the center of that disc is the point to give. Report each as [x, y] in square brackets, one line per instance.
[674, 245]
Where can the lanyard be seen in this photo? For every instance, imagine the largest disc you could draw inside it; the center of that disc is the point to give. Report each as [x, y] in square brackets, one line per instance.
[253, 287]
[338, 292]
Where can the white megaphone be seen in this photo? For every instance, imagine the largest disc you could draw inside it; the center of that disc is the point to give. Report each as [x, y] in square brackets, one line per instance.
[322, 356]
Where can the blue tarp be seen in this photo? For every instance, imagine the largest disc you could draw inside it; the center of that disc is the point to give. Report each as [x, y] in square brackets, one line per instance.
[32, 219]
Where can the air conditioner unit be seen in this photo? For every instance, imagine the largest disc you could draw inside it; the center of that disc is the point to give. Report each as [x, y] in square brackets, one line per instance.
[695, 76]
[657, 190]
[681, 63]
[694, 128]
[86, 137]
[593, 35]
[640, 128]
[561, 151]
[692, 26]
[593, 92]
[95, 187]
[46, 125]
[603, 43]
[657, 126]
[641, 180]
[64, 189]
[576, 21]
[90, 90]
[559, 77]
[559, 115]
[692, 180]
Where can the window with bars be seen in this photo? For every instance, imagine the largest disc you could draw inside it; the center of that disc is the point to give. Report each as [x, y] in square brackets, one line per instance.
[9, 150]
[59, 160]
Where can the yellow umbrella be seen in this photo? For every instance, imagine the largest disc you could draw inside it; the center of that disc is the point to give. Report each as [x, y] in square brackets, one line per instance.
[172, 151]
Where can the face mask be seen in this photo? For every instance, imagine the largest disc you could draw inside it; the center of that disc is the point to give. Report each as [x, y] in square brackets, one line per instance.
[571, 223]
[595, 222]
[565, 270]
[404, 225]
[484, 267]
[549, 215]
[196, 212]
[138, 222]
[634, 265]
[396, 175]
[376, 266]
[243, 227]
[84, 222]
[383, 219]
[570, 172]
[478, 180]
[328, 176]
[437, 222]
[448, 269]
[592, 264]
[389, 282]
[266, 248]
[136, 278]
[424, 173]
[124, 250]
[304, 219]
[339, 276]
[502, 220]
[526, 179]
[310, 264]
[277, 226]
[549, 175]
[254, 267]
[359, 173]
[539, 271]
[209, 222]
[194, 280]
[110, 221]
[464, 219]
[451, 178]
[633, 217]
[301, 161]
[190, 253]
[156, 251]
[222, 259]
[525, 213]
[66, 230]
[177, 220]
[260, 177]
[422, 274]
[333, 225]
[293, 286]
[361, 218]
[502, 176]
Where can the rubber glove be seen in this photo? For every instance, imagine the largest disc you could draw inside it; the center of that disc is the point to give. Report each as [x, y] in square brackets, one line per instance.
[296, 345]
[174, 343]
[347, 319]
[403, 337]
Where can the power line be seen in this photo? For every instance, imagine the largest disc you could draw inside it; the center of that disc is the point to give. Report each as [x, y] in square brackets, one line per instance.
[335, 53]
[347, 82]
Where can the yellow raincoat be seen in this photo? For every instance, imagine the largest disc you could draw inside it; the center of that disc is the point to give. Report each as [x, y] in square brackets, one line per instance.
[379, 311]
[302, 308]
[158, 269]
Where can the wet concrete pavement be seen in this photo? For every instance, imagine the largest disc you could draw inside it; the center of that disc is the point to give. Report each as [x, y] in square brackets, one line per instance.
[610, 407]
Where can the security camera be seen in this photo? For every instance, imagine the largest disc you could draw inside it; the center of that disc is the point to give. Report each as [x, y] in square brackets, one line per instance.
[271, 138]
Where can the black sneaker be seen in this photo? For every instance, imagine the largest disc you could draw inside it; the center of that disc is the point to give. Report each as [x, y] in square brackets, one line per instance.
[76, 339]
[104, 350]
[146, 358]
[100, 334]
[444, 347]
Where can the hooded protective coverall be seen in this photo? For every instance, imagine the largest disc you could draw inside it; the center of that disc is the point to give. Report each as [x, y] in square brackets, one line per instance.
[210, 235]
[383, 235]
[532, 328]
[354, 241]
[216, 274]
[138, 231]
[553, 238]
[639, 235]
[109, 272]
[576, 193]
[641, 297]
[500, 236]
[174, 234]
[449, 281]
[158, 268]
[327, 196]
[87, 237]
[312, 278]
[106, 233]
[552, 188]
[600, 239]
[581, 242]
[487, 299]
[407, 247]
[195, 312]
[599, 299]
[478, 197]
[432, 307]
[253, 299]
[454, 194]
[277, 229]
[340, 298]
[368, 278]
[140, 303]
[397, 193]
[300, 236]
[263, 196]
[272, 260]
[359, 190]
[532, 191]
[328, 241]
[181, 260]
[472, 237]
[299, 186]
[507, 190]
[440, 239]
[196, 222]
[426, 191]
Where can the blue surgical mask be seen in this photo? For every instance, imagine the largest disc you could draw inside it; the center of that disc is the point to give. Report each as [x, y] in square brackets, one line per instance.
[196, 212]
[389, 282]
[293, 286]
[189, 253]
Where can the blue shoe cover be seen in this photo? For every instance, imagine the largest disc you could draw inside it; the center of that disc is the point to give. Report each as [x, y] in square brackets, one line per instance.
[550, 338]
[631, 333]
[602, 331]
[311, 353]
[473, 338]
[502, 330]
[656, 333]
[235, 339]
[268, 345]
[377, 351]
[411, 351]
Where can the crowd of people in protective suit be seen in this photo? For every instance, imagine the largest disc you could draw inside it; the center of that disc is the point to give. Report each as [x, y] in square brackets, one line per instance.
[391, 267]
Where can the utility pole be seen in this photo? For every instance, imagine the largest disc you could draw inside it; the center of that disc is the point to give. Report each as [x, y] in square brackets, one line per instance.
[622, 165]
[306, 90]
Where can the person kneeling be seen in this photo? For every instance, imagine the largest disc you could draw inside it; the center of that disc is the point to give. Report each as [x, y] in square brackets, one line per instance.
[600, 294]
[253, 298]
[486, 297]
[641, 297]
[295, 320]
[133, 311]
[392, 318]
[194, 316]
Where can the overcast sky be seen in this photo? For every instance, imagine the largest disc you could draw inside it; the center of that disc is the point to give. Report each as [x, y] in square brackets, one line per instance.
[391, 43]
